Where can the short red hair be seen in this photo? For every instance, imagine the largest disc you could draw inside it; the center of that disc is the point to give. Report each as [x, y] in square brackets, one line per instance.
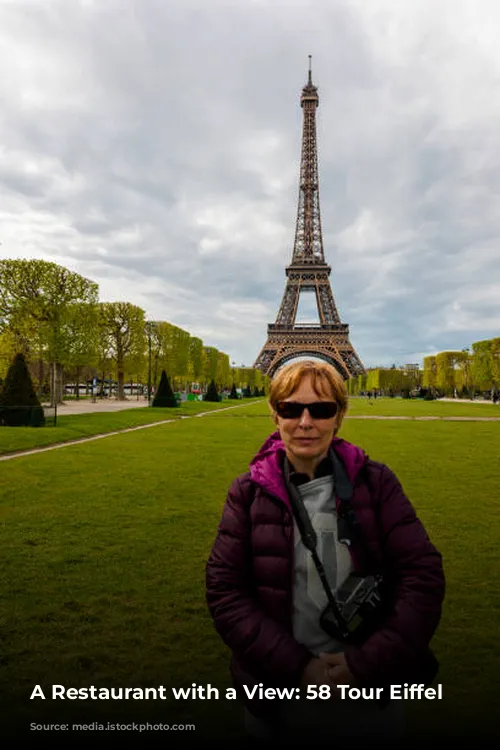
[324, 377]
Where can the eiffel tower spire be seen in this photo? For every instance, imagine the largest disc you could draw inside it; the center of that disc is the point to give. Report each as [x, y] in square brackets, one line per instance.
[308, 271]
[308, 245]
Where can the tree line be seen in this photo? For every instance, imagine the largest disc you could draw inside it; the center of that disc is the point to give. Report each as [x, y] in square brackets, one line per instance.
[465, 373]
[462, 373]
[53, 316]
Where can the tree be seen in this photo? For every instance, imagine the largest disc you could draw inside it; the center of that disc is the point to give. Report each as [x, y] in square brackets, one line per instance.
[170, 350]
[210, 361]
[445, 371]
[223, 369]
[36, 293]
[481, 365]
[463, 374]
[195, 369]
[19, 405]
[164, 396]
[234, 392]
[123, 337]
[495, 362]
[8, 351]
[212, 393]
[429, 378]
[82, 331]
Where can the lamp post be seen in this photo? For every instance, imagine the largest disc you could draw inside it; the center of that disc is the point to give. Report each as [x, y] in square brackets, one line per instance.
[148, 331]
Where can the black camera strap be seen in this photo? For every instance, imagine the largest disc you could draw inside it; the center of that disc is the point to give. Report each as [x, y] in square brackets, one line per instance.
[349, 529]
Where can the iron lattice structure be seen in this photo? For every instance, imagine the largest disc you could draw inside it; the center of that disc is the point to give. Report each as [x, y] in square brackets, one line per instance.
[308, 271]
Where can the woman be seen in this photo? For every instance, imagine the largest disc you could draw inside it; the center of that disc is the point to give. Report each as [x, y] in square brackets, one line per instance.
[264, 590]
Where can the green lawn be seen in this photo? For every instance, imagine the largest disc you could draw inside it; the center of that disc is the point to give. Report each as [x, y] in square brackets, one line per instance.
[14, 439]
[73, 427]
[104, 547]
[418, 408]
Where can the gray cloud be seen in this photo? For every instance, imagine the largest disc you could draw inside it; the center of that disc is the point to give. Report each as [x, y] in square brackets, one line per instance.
[154, 147]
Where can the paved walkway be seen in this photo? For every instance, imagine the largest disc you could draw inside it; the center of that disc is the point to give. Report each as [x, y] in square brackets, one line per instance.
[86, 405]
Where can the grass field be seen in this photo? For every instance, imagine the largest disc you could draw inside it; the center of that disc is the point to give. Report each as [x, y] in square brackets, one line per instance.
[418, 408]
[75, 426]
[104, 547]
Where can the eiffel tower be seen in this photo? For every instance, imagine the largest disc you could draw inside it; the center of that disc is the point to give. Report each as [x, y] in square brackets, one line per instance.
[308, 271]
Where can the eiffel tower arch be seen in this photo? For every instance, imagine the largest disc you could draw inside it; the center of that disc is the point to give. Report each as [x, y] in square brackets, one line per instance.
[308, 272]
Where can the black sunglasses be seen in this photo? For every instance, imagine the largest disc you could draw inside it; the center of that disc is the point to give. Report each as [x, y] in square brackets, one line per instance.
[317, 410]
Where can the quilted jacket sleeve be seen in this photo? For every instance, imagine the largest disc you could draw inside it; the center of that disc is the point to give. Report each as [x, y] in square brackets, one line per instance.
[396, 652]
[253, 636]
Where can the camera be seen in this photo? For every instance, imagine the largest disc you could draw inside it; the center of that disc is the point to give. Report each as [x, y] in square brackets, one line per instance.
[359, 604]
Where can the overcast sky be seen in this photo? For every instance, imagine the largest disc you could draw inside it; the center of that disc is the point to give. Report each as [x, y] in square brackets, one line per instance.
[153, 146]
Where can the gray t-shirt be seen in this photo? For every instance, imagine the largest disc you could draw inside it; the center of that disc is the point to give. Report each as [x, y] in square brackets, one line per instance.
[309, 597]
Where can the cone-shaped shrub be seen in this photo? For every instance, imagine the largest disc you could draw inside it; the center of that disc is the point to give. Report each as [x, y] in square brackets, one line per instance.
[247, 393]
[164, 396]
[212, 394]
[19, 404]
[256, 391]
[234, 392]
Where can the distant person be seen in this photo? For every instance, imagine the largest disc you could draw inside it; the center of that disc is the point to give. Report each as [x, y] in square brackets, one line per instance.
[265, 593]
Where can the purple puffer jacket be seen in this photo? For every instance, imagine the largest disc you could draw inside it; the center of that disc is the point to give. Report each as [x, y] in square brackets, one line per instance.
[250, 575]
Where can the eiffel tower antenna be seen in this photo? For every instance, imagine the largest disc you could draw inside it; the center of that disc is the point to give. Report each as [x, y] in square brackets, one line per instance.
[308, 271]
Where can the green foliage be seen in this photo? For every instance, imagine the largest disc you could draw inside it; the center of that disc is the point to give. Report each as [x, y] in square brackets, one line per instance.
[486, 364]
[463, 374]
[19, 405]
[82, 333]
[249, 376]
[234, 392]
[164, 396]
[9, 347]
[37, 303]
[223, 369]
[429, 379]
[195, 358]
[53, 316]
[445, 372]
[123, 339]
[171, 349]
[495, 361]
[210, 361]
[212, 393]
[397, 381]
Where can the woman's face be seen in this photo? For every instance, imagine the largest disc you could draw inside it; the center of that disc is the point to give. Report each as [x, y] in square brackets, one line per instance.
[307, 440]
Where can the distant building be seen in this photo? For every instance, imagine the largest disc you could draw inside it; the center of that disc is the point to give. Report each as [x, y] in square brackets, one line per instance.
[411, 368]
